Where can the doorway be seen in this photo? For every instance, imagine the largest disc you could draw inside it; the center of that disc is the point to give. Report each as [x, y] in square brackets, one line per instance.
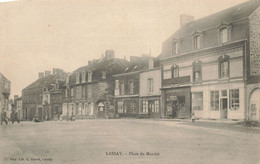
[151, 107]
[254, 105]
[223, 107]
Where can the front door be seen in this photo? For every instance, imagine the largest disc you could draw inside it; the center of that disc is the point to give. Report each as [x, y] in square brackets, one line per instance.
[174, 109]
[40, 115]
[223, 107]
[151, 108]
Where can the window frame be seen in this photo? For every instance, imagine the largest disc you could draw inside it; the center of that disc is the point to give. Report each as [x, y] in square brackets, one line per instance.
[221, 60]
[150, 85]
[234, 100]
[173, 73]
[196, 64]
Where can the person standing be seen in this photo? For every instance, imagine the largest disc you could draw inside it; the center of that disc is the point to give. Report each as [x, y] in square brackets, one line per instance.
[3, 117]
[14, 117]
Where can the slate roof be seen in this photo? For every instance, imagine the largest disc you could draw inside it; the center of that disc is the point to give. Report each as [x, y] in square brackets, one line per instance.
[44, 82]
[227, 16]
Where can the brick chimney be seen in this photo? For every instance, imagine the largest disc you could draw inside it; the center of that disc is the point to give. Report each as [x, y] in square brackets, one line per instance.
[184, 19]
[41, 75]
[109, 54]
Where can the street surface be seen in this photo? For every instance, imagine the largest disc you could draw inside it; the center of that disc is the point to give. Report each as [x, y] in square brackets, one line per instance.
[129, 141]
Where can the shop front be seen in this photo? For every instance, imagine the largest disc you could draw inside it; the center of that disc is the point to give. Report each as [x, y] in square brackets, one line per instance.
[177, 102]
[150, 107]
[219, 101]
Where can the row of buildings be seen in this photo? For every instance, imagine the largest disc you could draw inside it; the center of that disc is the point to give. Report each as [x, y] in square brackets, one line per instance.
[210, 67]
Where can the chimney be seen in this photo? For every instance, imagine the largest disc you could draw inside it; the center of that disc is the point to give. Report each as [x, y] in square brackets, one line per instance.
[47, 73]
[16, 97]
[41, 75]
[150, 63]
[109, 54]
[184, 19]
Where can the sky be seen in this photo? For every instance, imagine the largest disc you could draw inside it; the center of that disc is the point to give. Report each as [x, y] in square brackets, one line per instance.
[39, 35]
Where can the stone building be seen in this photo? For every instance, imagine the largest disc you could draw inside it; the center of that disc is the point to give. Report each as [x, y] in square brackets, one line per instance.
[210, 66]
[40, 99]
[128, 88]
[5, 89]
[89, 89]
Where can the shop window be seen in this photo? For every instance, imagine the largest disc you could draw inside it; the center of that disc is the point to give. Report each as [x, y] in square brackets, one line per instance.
[223, 66]
[150, 85]
[120, 106]
[197, 71]
[197, 101]
[175, 71]
[131, 86]
[132, 107]
[145, 107]
[214, 100]
[234, 99]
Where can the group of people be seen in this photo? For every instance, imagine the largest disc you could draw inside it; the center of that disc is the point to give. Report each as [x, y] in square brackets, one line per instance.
[14, 117]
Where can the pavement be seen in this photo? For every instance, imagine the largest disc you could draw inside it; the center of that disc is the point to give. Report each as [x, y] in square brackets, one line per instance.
[129, 141]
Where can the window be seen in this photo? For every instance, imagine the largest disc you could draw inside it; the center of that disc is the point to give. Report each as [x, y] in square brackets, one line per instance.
[103, 74]
[234, 99]
[145, 107]
[156, 106]
[132, 107]
[89, 76]
[66, 92]
[71, 92]
[175, 71]
[131, 87]
[77, 78]
[223, 35]
[197, 101]
[224, 66]
[67, 80]
[83, 80]
[150, 85]
[196, 42]
[89, 91]
[214, 100]
[117, 84]
[120, 105]
[175, 48]
[83, 91]
[122, 88]
[196, 71]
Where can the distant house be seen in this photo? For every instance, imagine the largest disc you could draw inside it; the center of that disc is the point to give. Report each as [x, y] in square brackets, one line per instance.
[39, 98]
[128, 89]
[89, 89]
[210, 66]
[5, 89]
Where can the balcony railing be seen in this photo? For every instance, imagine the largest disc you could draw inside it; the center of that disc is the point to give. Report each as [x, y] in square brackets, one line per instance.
[179, 80]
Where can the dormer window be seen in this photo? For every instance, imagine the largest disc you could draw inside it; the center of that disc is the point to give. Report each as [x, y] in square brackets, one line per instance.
[196, 42]
[224, 33]
[77, 78]
[83, 80]
[175, 71]
[175, 48]
[89, 76]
